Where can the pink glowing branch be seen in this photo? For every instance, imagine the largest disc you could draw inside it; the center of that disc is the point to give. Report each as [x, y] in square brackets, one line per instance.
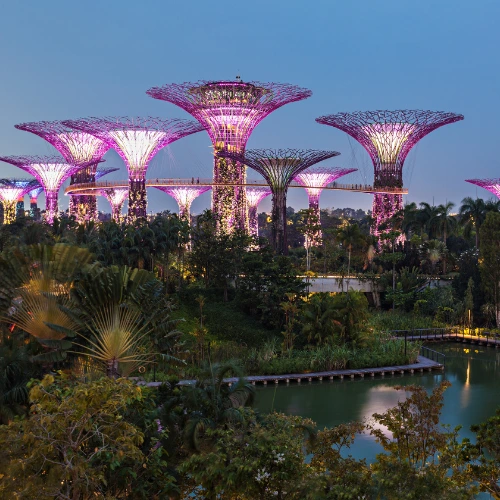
[492, 185]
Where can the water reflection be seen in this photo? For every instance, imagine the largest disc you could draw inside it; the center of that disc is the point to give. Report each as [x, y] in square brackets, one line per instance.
[474, 372]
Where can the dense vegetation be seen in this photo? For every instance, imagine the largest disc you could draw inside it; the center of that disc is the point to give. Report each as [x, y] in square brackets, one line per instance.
[85, 307]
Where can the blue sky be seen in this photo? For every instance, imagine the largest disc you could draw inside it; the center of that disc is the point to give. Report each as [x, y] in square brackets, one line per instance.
[67, 59]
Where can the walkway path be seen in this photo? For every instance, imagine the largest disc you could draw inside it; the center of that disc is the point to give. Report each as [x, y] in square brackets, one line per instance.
[489, 340]
[423, 364]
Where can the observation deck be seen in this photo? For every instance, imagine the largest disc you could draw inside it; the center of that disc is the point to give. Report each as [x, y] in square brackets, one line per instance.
[91, 187]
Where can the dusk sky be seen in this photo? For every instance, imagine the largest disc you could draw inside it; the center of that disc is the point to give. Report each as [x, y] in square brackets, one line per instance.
[63, 59]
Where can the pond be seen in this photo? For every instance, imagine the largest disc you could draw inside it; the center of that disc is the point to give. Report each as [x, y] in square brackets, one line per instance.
[474, 372]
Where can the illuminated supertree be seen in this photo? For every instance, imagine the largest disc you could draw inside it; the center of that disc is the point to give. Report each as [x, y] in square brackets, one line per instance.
[12, 192]
[491, 185]
[388, 137]
[229, 111]
[76, 147]
[102, 171]
[184, 196]
[33, 194]
[136, 140]
[254, 196]
[314, 181]
[51, 172]
[116, 198]
[279, 167]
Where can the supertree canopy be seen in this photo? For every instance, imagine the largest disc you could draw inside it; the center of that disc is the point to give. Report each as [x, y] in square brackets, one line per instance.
[279, 167]
[33, 194]
[76, 147]
[492, 185]
[50, 171]
[229, 111]
[314, 181]
[184, 196]
[388, 137]
[136, 140]
[116, 198]
[254, 196]
[12, 192]
[101, 172]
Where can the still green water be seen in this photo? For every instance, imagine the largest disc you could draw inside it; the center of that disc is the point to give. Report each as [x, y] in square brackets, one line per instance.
[474, 372]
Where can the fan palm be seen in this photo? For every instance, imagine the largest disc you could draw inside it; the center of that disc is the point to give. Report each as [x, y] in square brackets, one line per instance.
[116, 341]
[35, 282]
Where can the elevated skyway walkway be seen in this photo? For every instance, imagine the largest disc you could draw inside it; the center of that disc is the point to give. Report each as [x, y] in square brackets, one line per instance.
[88, 188]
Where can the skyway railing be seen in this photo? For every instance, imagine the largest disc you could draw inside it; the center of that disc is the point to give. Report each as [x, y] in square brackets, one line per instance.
[95, 186]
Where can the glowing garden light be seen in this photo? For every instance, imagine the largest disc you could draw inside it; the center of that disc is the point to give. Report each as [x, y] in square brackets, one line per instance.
[77, 147]
[229, 111]
[51, 172]
[136, 140]
[279, 167]
[184, 196]
[12, 192]
[314, 181]
[388, 137]
[254, 196]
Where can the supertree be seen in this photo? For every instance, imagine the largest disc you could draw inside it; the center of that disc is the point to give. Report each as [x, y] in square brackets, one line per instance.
[12, 192]
[76, 147]
[51, 172]
[116, 198]
[388, 137]
[136, 140]
[254, 196]
[33, 194]
[101, 172]
[184, 196]
[279, 167]
[492, 185]
[314, 180]
[229, 111]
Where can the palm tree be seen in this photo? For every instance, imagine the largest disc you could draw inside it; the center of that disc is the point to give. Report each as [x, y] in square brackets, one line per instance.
[35, 283]
[350, 236]
[432, 252]
[211, 402]
[410, 221]
[472, 214]
[426, 217]
[117, 340]
[318, 318]
[446, 224]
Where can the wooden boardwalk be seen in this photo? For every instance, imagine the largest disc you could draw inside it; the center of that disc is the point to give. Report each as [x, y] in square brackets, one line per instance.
[493, 340]
[423, 364]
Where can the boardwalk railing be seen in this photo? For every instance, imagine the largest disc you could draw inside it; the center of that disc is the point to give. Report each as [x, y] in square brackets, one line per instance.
[436, 356]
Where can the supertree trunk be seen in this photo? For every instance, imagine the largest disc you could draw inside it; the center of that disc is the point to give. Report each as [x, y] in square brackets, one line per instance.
[253, 222]
[52, 206]
[279, 226]
[137, 198]
[34, 211]
[9, 211]
[229, 202]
